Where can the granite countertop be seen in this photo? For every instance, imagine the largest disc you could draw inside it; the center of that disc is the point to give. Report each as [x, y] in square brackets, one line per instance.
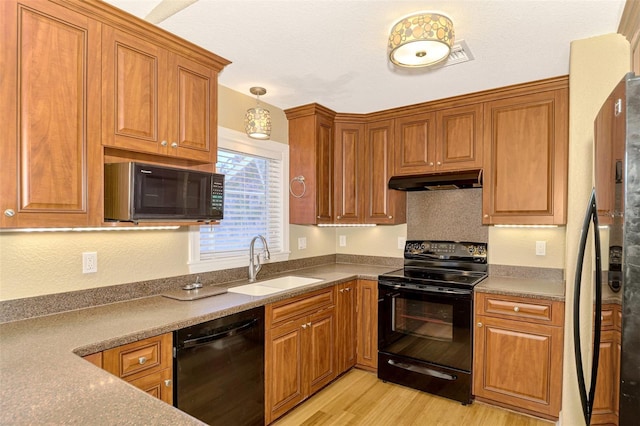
[44, 381]
[526, 287]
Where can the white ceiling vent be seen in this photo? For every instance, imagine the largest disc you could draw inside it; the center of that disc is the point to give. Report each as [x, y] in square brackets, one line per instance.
[459, 53]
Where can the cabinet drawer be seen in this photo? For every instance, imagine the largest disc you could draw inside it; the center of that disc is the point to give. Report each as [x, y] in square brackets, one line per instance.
[520, 308]
[301, 305]
[607, 318]
[139, 358]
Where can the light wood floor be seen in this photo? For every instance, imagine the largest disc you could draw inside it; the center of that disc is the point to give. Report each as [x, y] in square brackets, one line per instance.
[359, 398]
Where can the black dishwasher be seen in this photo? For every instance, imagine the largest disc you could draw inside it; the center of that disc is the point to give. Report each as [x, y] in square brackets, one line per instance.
[219, 369]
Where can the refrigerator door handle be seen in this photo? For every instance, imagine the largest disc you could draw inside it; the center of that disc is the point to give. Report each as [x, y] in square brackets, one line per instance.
[591, 215]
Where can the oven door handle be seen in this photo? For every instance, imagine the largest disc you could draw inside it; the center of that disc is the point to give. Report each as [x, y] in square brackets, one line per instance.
[423, 370]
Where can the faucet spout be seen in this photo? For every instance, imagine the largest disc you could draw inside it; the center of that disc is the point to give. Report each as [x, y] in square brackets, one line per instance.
[254, 260]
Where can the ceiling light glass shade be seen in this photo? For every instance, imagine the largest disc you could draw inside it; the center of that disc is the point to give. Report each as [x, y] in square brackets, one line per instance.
[257, 121]
[421, 40]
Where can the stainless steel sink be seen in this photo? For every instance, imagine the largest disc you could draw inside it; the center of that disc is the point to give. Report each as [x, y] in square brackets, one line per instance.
[275, 285]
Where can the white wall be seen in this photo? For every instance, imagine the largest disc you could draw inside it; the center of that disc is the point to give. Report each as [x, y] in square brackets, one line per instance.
[596, 65]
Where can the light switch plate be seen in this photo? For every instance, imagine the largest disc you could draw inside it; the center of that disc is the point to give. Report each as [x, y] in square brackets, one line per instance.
[302, 243]
[541, 248]
[401, 242]
[343, 241]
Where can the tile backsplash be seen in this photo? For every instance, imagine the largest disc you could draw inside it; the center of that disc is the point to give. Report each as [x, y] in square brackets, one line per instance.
[446, 215]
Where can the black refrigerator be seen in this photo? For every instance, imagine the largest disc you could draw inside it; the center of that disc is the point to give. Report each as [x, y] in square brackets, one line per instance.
[615, 204]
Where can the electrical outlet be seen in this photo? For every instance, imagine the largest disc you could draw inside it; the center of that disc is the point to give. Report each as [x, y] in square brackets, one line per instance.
[343, 240]
[89, 262]
[302, 243]
[541, 248]
[401, 242]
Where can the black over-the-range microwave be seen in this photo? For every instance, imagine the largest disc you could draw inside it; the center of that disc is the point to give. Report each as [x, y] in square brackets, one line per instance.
[136, 192]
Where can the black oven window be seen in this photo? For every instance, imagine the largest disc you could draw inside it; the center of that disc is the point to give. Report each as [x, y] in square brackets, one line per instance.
[424, 319]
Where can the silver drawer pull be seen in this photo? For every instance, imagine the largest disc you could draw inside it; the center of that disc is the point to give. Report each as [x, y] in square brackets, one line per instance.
[167, 382]
[142, 360]
[516, 309]
[479, 324]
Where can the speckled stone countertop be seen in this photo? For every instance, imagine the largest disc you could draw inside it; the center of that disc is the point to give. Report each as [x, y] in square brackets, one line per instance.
[44, 381]
[527, 287]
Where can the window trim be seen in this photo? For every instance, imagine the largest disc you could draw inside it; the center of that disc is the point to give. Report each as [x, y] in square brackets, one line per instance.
[238, 141]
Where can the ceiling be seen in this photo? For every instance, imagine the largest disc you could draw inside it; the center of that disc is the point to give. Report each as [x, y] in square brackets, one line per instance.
[334, 52]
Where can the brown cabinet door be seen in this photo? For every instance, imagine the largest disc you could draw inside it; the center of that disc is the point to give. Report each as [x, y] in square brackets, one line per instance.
[49, 115]
[604, 163]
[192, 105]
[415, 144]
[284, 377]
[382, 205]
[324, 170]
[367, 324]
[518, 364]
[605, 404]
[320, 363]
[134, 79]
[349, 171]
[525, 159]
[159, 385]
[346, 299]
[459, 140]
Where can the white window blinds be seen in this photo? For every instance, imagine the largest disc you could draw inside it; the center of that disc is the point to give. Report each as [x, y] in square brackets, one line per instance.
[252, 205]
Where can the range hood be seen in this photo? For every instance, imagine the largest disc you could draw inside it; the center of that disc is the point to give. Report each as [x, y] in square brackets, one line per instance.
[437, 181]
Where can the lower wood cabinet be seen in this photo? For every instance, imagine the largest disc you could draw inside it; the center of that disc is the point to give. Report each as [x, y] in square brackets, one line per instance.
[146, 364]
[346, 300]
[607, 396]
[518, 353]
[299, 349]
[367, 325]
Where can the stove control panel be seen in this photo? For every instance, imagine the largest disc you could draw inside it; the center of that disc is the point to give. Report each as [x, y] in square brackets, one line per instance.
[476, 252]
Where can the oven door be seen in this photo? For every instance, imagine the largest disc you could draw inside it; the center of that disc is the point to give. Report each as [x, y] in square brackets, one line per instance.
[426, 324]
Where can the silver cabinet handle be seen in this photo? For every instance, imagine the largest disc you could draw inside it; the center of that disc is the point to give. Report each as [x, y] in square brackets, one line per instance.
[439, 163]
[304, 325]
[167, 383]
[142, 360]
[516, 309]
[342, 290]
[479, 324]
[9, 213]
[308, 324]
[174, 144]
[163, 143]
[390, 217]
[431, 163]
[348, 289]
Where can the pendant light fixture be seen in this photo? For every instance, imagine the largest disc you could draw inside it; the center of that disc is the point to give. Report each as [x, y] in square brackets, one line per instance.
[257, 121]
[421, 40]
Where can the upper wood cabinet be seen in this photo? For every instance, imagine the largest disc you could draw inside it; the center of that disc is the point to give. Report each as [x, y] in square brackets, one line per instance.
[442, 140]
[382, 205]
[349, 176]
[526, 143]
[50, 116]
[311, 136]
[156, 101]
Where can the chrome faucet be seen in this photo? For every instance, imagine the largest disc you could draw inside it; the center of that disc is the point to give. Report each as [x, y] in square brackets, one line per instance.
[254, 268]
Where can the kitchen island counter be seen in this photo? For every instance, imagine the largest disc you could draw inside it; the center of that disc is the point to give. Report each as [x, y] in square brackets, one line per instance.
[44, 381]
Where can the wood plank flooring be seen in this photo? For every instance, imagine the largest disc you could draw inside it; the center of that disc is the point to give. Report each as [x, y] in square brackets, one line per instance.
[359, 398]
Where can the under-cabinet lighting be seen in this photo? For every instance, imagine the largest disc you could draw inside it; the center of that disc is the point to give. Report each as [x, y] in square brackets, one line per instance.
[344, 225]
[525, 226]
[94, 229]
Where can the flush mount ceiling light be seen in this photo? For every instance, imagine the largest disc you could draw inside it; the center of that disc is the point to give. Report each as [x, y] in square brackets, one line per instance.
[257, 121]
[421, 40]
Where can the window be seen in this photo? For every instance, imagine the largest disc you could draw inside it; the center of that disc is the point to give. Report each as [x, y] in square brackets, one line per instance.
[255, 202]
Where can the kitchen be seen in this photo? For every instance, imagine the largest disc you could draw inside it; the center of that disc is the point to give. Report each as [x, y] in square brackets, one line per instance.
[161, 254]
